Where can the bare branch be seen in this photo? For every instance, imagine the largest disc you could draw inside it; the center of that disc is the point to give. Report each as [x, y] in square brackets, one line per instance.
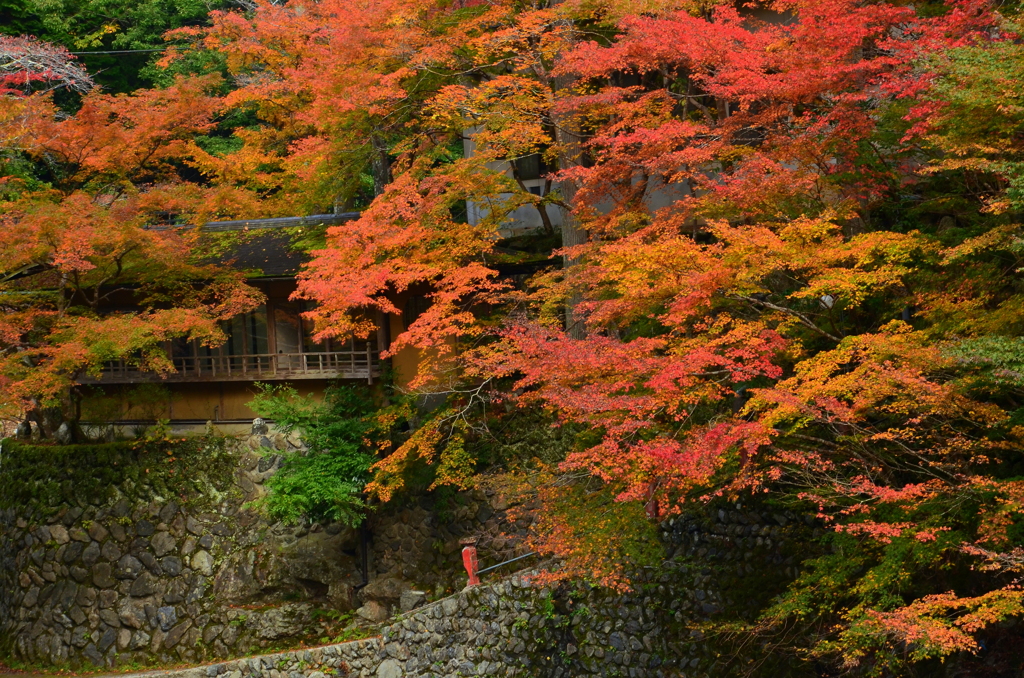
[804, 320]
[27, 63]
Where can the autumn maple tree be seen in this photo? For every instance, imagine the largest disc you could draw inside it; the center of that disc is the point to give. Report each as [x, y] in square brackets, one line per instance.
[787, 268]
[764, 307]
[94, 216]
[26, 64]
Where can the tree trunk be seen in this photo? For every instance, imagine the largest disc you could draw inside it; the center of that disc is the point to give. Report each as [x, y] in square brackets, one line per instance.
[570, 154]
[380, 165]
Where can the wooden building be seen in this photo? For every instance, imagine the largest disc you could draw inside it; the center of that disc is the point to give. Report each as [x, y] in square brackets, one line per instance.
[271, 344]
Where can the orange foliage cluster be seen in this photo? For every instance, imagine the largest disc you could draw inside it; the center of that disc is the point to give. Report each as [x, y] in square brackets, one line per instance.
[75, 243]
[758, 312]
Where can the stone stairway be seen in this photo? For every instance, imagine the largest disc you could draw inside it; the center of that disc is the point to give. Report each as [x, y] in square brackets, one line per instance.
[508, 628]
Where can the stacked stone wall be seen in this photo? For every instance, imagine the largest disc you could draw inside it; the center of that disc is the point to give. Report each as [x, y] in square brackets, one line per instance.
[510, 628]
[136, 577]
[141, 571]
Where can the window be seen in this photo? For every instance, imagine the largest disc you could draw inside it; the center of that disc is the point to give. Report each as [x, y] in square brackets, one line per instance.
[414, 308]
[247, 336]
[530, 166]
[247, 333]
[308, 345]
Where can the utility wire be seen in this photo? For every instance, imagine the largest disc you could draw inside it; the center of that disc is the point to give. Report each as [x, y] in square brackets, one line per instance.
[121, 51]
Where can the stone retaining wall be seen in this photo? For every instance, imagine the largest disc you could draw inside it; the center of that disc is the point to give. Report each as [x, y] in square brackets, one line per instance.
[141, 576]
[148, 579]
[506, 629]
[718, 560]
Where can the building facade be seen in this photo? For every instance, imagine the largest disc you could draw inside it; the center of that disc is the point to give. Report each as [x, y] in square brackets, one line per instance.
[270, 344]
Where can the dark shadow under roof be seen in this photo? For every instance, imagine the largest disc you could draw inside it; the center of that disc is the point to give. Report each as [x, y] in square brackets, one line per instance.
[270, 254]
[268, 250]
[280, 222]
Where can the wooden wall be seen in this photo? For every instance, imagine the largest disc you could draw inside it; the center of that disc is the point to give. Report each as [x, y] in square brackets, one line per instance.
[214, 401]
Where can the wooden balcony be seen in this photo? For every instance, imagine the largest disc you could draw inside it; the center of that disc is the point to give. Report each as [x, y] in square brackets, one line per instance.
[358, 362]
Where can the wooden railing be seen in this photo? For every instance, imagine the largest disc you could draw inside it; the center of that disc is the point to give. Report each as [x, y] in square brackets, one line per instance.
[360, 362]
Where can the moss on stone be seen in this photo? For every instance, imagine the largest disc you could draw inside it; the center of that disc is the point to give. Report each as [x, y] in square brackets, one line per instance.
[43, 477]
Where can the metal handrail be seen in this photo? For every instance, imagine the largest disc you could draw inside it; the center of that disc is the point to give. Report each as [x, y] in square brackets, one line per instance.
[495, 567]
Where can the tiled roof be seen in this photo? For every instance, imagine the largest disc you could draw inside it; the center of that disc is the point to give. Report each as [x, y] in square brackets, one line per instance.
[280, 222]
[269, 253]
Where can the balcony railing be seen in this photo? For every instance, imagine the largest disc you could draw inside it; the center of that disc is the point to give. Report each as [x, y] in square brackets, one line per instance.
[356, 363]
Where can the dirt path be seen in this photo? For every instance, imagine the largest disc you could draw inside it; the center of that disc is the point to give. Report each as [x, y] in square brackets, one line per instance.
[7, 673]
[23, 674]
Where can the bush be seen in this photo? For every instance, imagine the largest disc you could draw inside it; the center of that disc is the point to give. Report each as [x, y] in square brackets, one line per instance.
[326, 482]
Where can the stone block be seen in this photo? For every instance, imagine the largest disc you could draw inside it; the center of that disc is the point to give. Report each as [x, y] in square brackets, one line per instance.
[110, 618]
[91, 554]
[101, 576]
[229, 635]
[288, 620]
[166, 617]
[194, 526]
[373, 611]
[168, 512]
[80, 637]
[202, 561]
[93, 655]
[197, 590]
[211, 632]
[140, 639]
[77, 615]
[110, 552]
[128, 567]
[108, 638]
[144, 528]
[163, 543]
[107, 599]
[97, 532]
[171, 566]
[221, 530]
[118, 531]
[145, 585]
[410, 600]
[245, 482]
[132, 613]
[175, 635]
[72, 551]
[176, 591]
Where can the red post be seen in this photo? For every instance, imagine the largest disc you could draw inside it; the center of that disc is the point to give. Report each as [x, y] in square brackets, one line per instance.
[470, 561]
[652, 508]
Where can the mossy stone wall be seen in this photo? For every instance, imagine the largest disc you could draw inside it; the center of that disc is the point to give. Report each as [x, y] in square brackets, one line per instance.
[153, 552]
[146, 553]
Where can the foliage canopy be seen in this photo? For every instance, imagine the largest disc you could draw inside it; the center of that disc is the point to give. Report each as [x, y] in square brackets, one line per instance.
[789, 267]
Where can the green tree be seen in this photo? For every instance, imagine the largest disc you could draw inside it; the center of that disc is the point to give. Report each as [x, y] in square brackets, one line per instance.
[105, 25]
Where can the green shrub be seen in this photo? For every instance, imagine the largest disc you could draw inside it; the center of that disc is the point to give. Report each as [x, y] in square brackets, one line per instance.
[326, 482]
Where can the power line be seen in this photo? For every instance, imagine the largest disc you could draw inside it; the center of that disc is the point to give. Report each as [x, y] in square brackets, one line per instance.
[121, 51]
